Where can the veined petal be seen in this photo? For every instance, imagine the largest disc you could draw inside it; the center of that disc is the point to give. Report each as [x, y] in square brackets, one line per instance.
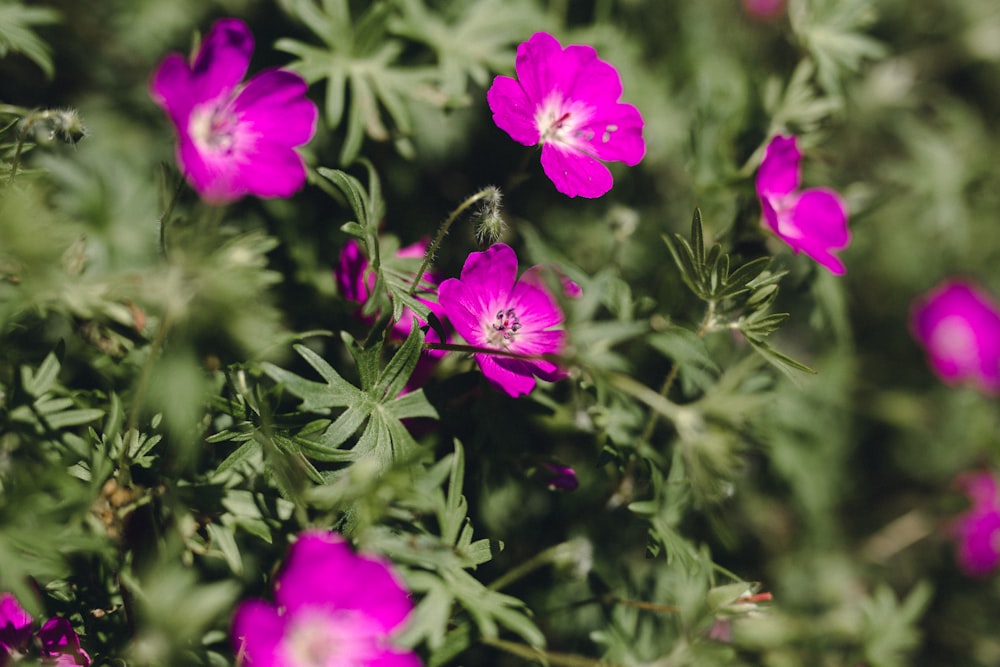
[222, 61]
[274, 105]
[491, 274]
[779, 173]
[511, 376]
[536, 308]
[575, 173]
[512, 111]
[616, 131]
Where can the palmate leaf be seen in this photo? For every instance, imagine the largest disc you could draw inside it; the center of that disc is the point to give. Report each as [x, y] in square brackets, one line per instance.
[358, 59]
[376, 409]
[831, 32]
[479, 39]
[17, 34]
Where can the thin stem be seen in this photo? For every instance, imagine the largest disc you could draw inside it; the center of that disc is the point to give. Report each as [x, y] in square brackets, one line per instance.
[472, 349]
[559, 552]
[668, 382]
[486, 192]
[165, 218]
[546, 657]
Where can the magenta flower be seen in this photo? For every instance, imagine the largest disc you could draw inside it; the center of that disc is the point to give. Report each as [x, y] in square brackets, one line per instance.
[491, 309]
[959, 326]
[567, 101]
[334, 608]
[235, 139]
[813, 221]
[58, 644]
[764, 9]
[977, 531]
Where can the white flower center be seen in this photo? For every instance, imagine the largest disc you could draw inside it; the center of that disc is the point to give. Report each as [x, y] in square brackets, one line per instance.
[954, 339]
[213, 126]
[563, 122]
[502, 330]
[321, 638]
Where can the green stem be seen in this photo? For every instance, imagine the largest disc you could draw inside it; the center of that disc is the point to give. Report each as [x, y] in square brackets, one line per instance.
[490, 191]
[472, 349]
[546, 657]
[668, 382]
[554, 554]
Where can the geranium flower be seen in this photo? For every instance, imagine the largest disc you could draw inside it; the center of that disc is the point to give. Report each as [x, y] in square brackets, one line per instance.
[814, 220]
[959, 326]
[334, 608]
[235, 139]
[58, 644]
[491, 309]
[567, 101]
[977, 531]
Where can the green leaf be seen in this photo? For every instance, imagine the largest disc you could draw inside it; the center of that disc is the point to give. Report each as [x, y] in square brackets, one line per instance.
[43, 379]
[17, 34]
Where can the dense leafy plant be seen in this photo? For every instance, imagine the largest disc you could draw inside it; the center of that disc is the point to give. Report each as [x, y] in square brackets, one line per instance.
[226, 372]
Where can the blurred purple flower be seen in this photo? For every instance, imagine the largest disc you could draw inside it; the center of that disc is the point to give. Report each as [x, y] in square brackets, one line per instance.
[558, 477]
[235, 139]
[813, 221]
[764, 9]
[490, 309]
[959, 326]
[355, 283]
[333, 608]
[567, 101]
[977, 531]
[58, 642]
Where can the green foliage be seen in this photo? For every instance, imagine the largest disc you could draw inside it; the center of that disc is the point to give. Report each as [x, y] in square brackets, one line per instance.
[183, 389]
[17, 33]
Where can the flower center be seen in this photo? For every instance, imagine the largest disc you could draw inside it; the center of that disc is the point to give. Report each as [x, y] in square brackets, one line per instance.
[560, 121]
[504, 328]
[319, 638]
[213, 126]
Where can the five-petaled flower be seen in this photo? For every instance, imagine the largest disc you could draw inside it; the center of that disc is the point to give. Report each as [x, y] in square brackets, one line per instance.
[567, 101]
[57, 642]
[959, 326]
[335, 608]
[492, 310]
[235, 139]
[977, 531]
[814, 220]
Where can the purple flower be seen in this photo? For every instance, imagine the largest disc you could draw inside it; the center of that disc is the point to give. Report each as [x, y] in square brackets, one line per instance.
[959, 326]
[333, 608]
[491, 309]
[764, 9]
[235, 139]
[977, 532]
[558, 477]
[58, 642]
[814, 220]
[567, 101]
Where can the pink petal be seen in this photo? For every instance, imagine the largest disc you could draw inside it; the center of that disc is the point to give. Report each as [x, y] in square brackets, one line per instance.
[273, 105]
[536, 309]
[59, 640]
[171, 88]
[222, 60]
[464, 309]
[491, 274]
[270, 170]
[257, 632]
[959, 326]
[575, 173]
[512, 111]
[216, 176]
[512, 376]
[395, 659]
[978, 536]
[820, 219]
[15, 623]
[617, 134]
[538, 65]
[322, 569]
[779, 173]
